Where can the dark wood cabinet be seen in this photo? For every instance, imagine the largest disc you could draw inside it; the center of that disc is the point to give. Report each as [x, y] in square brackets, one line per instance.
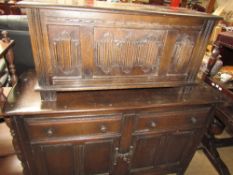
[135, 131]
[86, 157]
[159, 146]
[95, 110]
[167, 151]
[97, 145]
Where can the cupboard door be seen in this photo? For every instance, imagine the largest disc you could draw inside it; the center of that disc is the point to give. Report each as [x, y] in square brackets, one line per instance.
[176, 147]
[98, 157]
[90, 157]
[166, 152]
[146, 150]
[54, 159]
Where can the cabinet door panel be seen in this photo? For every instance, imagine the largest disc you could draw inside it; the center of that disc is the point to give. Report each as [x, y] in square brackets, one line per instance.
[89, 158]
[54, 159]
[168, 151]
[98, 157]
[146, 149]
[65, 53]
[175, 146]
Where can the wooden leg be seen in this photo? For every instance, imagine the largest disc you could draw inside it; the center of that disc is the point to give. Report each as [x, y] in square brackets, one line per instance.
[210, 150]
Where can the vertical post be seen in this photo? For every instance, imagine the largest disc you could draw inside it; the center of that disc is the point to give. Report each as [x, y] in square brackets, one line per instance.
[213, 59]
[10, 59]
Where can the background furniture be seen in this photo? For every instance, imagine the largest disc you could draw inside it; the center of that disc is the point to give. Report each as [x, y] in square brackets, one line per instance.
[17, 27]
[9, 8]
[8, 71]
[224, 113]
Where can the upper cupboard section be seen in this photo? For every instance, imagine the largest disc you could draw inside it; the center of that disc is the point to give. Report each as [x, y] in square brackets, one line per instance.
[83, 50]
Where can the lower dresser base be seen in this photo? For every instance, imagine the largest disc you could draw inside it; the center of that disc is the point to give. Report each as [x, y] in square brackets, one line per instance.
[119, 132]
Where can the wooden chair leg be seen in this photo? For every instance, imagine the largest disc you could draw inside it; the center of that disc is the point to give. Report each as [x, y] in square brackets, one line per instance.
[210, 150]
[10, 59]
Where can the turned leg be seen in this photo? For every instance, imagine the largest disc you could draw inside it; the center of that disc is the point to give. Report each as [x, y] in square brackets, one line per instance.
[213, 58]
[10, 59]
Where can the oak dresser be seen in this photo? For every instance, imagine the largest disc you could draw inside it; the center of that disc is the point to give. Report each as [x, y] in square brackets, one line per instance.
[114, 92]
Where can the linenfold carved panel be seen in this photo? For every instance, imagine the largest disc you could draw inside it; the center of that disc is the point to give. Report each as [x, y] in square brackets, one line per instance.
[65, 50]
[182, 53]
[127, 51]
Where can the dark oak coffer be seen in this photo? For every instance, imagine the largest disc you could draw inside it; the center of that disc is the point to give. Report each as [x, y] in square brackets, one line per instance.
[115, 132]
[79, 46]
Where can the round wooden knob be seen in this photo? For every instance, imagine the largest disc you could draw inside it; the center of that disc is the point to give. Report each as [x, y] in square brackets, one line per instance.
[193, 120]
[103, 128]
[50, 131]
[153, 124]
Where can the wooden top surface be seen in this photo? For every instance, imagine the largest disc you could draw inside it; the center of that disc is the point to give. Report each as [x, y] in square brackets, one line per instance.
[113, 7]
[23, 99]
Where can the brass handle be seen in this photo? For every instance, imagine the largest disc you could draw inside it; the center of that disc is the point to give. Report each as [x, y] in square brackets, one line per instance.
[103, 128]
[50, 131]
[193, 120]
[126, 157]
[130, 155]
[153, 124]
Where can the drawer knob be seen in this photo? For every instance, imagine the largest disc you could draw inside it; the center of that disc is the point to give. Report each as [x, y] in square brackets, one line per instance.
[50, 131]
[193, 120]
[103, 128]
[153, 124]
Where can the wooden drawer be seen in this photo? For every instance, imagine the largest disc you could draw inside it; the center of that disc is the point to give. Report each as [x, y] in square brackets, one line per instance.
[44, 128]
[171, 121]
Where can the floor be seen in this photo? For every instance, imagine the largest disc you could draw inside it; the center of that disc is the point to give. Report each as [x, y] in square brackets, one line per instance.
[10, 165]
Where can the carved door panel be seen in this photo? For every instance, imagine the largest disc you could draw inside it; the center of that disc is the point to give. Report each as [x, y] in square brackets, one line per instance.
[87, 158]
[127, 52]
[146, 150]
[119, 55]
[165, 152]
[177, 147]
[180, 57]
[65, 53]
